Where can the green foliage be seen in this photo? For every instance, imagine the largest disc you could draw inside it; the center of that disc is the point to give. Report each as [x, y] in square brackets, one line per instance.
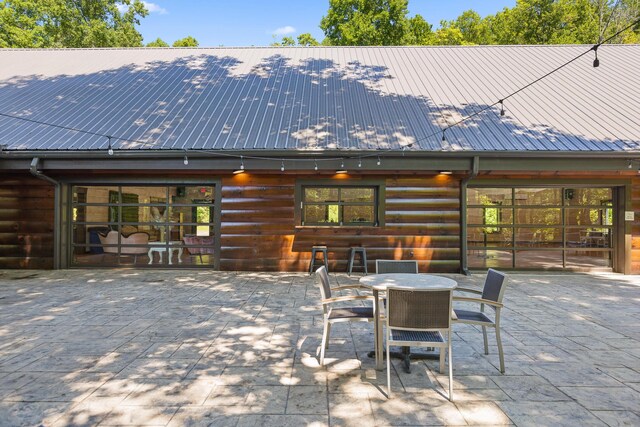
[67, 23]
[366, 22]
[186, 42]
[386, 22]
[306, 39]
[158, 43]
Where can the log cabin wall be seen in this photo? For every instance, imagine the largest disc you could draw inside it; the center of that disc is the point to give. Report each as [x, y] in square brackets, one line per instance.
[260, 231]
[635, 227]
[26, 222]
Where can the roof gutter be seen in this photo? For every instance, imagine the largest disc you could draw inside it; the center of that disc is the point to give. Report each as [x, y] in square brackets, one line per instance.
[475, 167]
[33, 169]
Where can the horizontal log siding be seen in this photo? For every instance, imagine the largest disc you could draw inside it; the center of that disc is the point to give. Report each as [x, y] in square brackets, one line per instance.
[26, 222]
[259, 229]
[635, 227]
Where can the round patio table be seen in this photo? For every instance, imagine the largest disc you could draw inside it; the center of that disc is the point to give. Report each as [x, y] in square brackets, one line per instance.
[380, 282]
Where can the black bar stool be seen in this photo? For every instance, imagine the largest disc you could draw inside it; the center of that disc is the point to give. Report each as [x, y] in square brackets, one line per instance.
[363, 259]
[325, 258]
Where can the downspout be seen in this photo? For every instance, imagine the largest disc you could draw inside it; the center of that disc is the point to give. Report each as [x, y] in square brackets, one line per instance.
[56, 209]
[475, 164]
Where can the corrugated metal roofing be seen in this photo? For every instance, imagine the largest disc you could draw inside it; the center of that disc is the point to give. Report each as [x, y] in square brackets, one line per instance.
[322, 98]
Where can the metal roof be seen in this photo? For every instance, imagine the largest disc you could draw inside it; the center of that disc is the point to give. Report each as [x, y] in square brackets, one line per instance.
[322, 98]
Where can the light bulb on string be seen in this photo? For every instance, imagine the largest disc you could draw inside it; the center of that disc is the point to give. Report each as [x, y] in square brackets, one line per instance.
[378, 162]
[596, 61]
[186, 159]
[444, 138]
[282, 166]
[110, 149]
[501, 107]
[315, 165]
[342, 164]
[359, 162]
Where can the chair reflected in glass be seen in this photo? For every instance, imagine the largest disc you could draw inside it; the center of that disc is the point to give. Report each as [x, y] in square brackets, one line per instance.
[332, 313]
[419, 318]
[491, 295]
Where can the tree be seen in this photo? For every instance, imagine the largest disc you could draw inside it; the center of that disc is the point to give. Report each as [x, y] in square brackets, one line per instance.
[158, 43]
[473, 28]
[186, 42]
[65, 23]
[366, 22]
[418, 32]
[306, 39]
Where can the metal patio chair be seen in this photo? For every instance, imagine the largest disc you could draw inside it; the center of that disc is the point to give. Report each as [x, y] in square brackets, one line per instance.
[333, 314]
[396, 266]
[419, 318]
[491, 295]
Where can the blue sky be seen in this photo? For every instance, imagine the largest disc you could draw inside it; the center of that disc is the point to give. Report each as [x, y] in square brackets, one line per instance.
[254, 22]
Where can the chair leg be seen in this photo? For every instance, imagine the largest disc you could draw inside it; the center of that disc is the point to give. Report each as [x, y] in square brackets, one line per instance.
[328, 333]
[450, 370]
[500, 349]
[325, 340]
[442, 355]
[486, 343]
[388, 370]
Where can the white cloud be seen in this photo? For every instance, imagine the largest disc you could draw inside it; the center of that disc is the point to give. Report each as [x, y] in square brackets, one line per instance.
[154, 8]
[283, 31]
[151, 7]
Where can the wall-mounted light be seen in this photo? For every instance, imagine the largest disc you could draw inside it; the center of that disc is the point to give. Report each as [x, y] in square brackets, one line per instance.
[445, 172]
[341, 171]
[241, 170]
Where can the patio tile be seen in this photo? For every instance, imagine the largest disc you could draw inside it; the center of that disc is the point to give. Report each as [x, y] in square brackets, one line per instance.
[281, 421]
[191, 417]
[536, 414]
[139, 415]
[618, 418]
[307, 400]
[605, 398]
[482, 413]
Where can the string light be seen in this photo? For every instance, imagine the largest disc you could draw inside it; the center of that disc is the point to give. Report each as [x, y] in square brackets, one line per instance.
[378, 162]
[501, 107]
[315, 166]
[186, 159]
[282, 166]
[596, 61]
[342, 164]
[110, 149]
[359, 162]
[444, 138]
[629, 164]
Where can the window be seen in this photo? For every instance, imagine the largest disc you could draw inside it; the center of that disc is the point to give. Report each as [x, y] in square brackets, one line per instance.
[340, 205]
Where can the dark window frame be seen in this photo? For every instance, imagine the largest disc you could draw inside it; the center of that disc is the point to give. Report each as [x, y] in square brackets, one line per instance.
[378, 203]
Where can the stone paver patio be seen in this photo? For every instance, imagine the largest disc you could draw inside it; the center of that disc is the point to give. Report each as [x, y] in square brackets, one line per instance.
[128, 347]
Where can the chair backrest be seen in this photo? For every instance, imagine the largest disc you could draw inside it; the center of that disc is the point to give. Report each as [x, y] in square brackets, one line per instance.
[393, 266]
[322, 277]
[494, 285]
[419, 309]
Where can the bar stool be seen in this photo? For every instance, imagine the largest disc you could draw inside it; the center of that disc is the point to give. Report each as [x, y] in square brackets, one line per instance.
[325, 258]
[363, 259]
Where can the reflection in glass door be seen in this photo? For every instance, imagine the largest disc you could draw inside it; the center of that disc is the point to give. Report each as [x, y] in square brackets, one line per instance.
[143, 226]
[540, 228]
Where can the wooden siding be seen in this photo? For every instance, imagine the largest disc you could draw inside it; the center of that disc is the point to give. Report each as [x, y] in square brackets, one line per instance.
[260, 230]
[26, 222]
[635, 227]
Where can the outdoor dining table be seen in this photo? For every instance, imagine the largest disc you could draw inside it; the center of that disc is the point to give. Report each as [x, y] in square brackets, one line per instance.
[380, 282]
